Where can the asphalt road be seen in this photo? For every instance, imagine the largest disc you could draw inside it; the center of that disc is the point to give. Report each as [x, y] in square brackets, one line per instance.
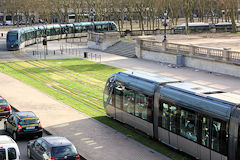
[22, 143]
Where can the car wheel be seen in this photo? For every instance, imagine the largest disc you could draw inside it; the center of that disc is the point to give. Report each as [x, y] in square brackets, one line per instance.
[29, 154]
[15, 137]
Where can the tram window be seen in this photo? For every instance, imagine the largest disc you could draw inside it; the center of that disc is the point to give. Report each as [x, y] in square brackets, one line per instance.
[165, 116]
[105, 27]
[169, 117]
[48, 32]
[98, 27]
[57, 31]
[141, 106]
[216, 132]
[78, 29]
[205, 131]
[89, 28]
[52, 31]
[172, 118]
[70, 30]
[118, 97]
[39, 33]
[84, 29]
[31, 35]
[107, 92]
[22, 38]
[188, 125]
[128, 101]
[63, 30]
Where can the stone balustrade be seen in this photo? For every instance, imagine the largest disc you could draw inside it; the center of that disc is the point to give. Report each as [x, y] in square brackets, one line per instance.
[224, 61]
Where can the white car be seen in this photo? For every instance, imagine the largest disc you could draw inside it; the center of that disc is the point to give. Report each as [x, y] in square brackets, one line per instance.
[8, 23]
[8, 149]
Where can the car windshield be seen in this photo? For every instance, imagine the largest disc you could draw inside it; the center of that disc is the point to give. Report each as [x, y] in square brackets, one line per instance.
[3, 103]
[29, 121]
[2, 154]
[62, 151]
[12, 36]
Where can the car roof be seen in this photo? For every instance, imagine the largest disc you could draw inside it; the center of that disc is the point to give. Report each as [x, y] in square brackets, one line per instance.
[6, 141]
[23, 115]
[55, 141]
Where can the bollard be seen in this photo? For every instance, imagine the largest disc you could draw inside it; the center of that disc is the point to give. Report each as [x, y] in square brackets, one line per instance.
[54, 52]
[95, 57]
[33, 53]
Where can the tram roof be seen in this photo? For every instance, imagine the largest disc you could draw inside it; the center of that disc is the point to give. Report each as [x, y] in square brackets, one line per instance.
[39, 27]
[193, 88]
[53, 26]
[102, 22]
[142, 81]
[28, 29]
[150, 76]
[228, 97]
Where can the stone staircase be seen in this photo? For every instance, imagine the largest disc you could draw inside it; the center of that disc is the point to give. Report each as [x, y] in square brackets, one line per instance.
[123, 48]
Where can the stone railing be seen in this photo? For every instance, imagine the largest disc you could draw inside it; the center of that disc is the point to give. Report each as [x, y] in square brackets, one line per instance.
[225, 55]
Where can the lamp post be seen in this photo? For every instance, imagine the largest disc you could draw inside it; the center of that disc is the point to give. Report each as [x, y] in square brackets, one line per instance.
[164, 22]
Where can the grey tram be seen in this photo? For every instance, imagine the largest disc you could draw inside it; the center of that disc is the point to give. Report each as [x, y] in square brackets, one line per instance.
[200, 121]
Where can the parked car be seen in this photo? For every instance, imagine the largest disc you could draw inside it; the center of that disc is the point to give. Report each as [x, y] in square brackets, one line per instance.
[8, 23]
[8, 149]
[5, 108]
[58, 148]
[21, 124]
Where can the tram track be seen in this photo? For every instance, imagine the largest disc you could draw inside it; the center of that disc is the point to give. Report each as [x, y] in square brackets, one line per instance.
[65, 75]
[49, 82]
[71, 73]
[68, 87]
[57, 90]
[51, 70]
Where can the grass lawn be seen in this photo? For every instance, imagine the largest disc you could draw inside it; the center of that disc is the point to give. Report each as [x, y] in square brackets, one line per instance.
[78, 83]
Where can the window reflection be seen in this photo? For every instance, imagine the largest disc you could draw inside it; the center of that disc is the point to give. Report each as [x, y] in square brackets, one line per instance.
[205, 131]
[141, 106]
[188, 125]
[128, 101]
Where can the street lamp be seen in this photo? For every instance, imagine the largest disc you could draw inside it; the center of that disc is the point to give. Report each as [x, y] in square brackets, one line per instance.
[165, 20]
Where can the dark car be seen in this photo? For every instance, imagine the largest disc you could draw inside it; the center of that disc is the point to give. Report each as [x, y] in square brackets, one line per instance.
[5, 108]
[21, 124]
[57, 148]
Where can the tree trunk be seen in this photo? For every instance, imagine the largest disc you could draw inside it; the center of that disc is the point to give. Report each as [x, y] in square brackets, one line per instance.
[233, 20]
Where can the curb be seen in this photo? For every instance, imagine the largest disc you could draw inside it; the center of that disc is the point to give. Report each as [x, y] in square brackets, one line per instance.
[44, 130]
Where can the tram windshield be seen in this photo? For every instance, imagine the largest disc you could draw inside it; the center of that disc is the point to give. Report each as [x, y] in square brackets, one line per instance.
[12, 36]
